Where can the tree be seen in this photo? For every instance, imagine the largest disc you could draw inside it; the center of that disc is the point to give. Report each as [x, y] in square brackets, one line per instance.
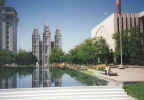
[6, 57]
[22, 58]
[91, 51]
[56, 56]
[25, 58]
[102, 49]
[131, 45]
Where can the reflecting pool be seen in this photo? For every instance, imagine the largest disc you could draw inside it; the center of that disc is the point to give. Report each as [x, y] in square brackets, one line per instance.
[38, 77]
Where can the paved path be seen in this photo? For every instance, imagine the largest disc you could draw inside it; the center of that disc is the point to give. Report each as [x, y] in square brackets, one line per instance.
[129, 74]
[124, 75]
[66, 93]
[111, 82]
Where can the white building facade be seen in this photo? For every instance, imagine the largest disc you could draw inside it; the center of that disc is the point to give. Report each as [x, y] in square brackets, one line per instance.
[117, 23]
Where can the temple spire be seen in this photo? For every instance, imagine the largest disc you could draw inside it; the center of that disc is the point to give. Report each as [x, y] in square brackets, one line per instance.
[36, 30]
[46, 23]
[36, 27]
[46, 28]
[57, 30]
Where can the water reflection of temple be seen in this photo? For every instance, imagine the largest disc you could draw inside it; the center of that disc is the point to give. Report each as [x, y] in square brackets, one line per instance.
[36, 78]
[41, 78]
[30, 79]
[46, 77]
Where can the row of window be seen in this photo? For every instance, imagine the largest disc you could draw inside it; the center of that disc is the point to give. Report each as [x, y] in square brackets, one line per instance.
[127, 23]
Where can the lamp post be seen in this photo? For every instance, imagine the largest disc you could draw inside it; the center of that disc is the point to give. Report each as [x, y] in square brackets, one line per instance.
[119, 13]
[121, 51]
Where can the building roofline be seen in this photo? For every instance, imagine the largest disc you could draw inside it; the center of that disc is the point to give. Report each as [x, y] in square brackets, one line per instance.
[141, 14]
[100, 23]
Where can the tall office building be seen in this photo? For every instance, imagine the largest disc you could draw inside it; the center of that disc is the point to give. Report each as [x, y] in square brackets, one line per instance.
[42, 44]
[118, 23]
[8, 27]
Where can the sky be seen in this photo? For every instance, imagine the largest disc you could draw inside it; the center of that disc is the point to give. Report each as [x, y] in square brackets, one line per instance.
[75, 18]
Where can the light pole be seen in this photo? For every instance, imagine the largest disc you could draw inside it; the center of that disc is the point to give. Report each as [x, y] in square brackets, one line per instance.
[120, 17]
[121, 51]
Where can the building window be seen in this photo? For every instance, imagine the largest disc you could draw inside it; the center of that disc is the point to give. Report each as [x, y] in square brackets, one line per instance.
[130, 22]
[122, 24]
[118, 24]
[143, 24]
[126, 24]
[135, 21]
[139, 24]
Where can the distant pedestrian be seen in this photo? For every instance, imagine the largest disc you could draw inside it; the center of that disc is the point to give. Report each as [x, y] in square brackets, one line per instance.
[107, 70]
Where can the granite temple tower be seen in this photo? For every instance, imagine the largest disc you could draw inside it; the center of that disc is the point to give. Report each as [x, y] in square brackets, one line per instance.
[42, 44]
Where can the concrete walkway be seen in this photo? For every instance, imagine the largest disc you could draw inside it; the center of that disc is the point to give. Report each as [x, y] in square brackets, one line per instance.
[111, 82]
[124, 75]
[66, 93]
[129, 74]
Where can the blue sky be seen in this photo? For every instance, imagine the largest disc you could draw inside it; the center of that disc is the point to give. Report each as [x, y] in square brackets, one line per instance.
[75, 18]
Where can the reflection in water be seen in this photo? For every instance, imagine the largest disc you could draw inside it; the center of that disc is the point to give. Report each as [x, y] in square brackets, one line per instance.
[39, 77]
[8, 82]
[46, 78]
[14, 77]
[28, 78]
[36, 78]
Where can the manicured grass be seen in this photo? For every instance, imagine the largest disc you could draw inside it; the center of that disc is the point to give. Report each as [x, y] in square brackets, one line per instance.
[135, 90]
[87, 72]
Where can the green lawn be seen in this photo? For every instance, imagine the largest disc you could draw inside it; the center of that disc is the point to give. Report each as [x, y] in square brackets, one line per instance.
[87, 72]
[135, 90]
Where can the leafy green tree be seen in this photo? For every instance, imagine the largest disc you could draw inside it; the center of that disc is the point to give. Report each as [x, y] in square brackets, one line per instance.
[21, 58]
[131, 45]
[102, 49]
[25, 58]
[91, 51]
[56, 56]
[6, 57]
